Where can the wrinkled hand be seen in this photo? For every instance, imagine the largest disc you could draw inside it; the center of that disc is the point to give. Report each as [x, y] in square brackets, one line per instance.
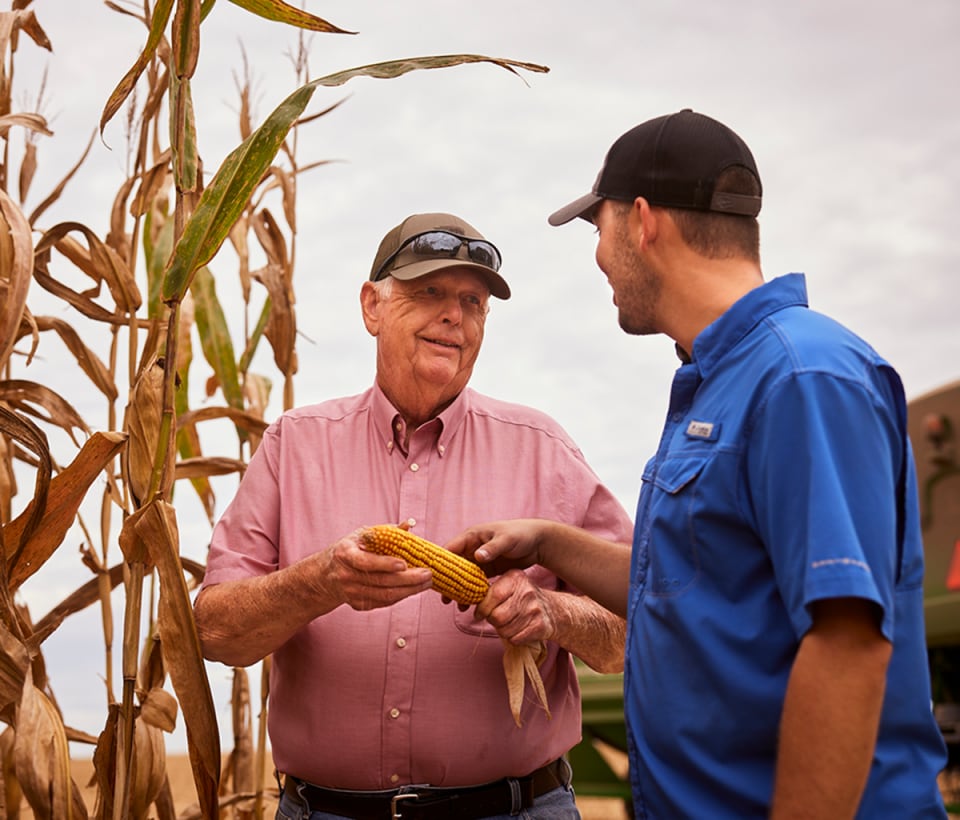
[518, 609]
[364, 580]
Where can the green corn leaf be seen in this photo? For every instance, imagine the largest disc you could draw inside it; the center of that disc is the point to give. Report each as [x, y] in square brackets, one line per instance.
[215, 336]
[283, 13]
[224, 200]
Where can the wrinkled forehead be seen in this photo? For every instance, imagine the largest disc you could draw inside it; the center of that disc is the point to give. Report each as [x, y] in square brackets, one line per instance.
[459, 278]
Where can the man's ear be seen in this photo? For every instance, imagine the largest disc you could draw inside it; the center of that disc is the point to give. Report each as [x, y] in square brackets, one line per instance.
[370, 306]
[644, 222]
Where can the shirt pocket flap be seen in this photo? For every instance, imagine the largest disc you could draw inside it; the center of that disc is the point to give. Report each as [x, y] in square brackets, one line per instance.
[676, 473]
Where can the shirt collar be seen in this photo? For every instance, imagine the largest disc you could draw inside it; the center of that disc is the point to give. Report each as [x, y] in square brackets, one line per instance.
[721, 335]
[389, 423]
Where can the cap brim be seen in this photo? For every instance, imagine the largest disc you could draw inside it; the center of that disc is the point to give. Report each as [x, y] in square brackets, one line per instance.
[582, 207]
[497, 284]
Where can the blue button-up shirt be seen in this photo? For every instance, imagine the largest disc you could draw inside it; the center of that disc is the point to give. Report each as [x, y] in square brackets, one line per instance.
[783, 477]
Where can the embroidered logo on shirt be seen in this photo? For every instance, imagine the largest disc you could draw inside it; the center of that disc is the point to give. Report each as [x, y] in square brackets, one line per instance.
[826, 562]
[703, 429]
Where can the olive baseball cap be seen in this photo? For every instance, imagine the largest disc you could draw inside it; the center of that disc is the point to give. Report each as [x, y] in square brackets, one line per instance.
[427, 243]
[672, 161]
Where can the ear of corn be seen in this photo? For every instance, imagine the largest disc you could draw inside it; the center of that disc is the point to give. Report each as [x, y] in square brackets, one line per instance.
[453, 576]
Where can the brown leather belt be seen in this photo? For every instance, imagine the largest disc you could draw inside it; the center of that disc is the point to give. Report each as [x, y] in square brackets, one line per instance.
[430, 803]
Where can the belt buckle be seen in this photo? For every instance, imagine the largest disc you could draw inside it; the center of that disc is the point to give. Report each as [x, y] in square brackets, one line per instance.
[396, 809]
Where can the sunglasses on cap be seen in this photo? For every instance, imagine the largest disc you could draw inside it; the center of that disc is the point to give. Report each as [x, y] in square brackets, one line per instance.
[439, 244]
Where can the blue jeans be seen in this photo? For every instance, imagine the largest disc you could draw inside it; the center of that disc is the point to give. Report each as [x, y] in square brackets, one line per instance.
[554, 805]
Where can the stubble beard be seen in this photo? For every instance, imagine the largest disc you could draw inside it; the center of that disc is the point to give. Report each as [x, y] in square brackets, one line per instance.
[639, 295]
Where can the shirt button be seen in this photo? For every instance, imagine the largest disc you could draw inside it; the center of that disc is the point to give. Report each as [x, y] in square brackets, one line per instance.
[414, 467]
[677, 417]
[411, 522]
[442, 449]
[394, 778]
[394, 713]
[401, 642]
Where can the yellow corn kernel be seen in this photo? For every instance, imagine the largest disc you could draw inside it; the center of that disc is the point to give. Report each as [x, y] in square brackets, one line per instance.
[453, 576]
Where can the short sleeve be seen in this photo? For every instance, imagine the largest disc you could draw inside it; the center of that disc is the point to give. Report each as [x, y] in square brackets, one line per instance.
[823, 463]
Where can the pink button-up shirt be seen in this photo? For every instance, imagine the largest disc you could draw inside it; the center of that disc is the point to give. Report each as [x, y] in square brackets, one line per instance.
[412, 693]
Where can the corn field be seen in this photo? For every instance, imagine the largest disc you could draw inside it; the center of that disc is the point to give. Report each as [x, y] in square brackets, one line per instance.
[140, 312]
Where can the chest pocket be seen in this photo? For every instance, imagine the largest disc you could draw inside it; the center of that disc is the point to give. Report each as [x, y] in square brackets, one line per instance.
[671, 543]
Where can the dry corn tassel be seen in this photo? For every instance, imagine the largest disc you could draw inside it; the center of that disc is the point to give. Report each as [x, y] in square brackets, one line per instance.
[463, 581]
[453, 576]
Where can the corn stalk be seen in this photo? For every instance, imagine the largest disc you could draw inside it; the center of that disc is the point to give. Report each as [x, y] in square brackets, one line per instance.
[146, 289]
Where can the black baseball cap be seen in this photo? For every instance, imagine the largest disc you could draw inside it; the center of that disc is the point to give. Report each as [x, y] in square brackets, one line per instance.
[672, 161]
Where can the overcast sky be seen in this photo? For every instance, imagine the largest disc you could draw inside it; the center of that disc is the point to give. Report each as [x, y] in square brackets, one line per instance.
[849, 109]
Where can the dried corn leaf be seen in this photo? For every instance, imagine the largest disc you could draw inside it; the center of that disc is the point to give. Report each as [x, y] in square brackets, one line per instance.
[21, 430]
[28, 167]
[11, 22]
[148, 773]
[158, 23]
[396, 68]
[271, 239]
[14, 666]
[54, 195]
[87, 360]
[104, 764]
[30, 398]
[241, 766]
[77, 601]
[16, 268]
[151, 674]
[251, 421]
[238, 238]
[31, 121]
[42, 759]
[289, 193]
[159, 709]
[67, 490]
[521, 663]
[208, 466]
[281, 329]
[84, 304]
[101, 263]
[12, 793]
[143, 422]
[153, 183]
[8, 481]
[157, 530]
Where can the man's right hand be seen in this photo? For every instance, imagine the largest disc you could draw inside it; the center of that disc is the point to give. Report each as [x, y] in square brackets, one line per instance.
[365, 580]
[501, 545]
[239, 622]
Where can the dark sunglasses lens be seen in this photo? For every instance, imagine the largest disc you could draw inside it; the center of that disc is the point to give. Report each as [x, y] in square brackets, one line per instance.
[433, 244]
[484, 253]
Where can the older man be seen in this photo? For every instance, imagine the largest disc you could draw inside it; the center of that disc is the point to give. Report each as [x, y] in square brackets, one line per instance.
[384, 701]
